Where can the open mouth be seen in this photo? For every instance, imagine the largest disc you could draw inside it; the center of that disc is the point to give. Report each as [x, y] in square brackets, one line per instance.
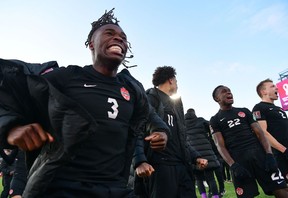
[116, 49]
[276, 93]
[230, 98]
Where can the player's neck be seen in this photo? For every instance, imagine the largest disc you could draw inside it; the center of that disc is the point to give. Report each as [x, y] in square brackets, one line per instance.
[226, 107]
[268, 100]
[164, 88]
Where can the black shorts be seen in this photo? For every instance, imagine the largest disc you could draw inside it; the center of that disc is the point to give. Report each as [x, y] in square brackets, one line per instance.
[171, 181]
[199, 175]
[282, 164]
[75, 189]
[254, 161]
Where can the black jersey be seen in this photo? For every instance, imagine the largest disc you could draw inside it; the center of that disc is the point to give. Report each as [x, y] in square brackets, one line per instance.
[173, 150]
[234, 124]
[276, 118]
[172, 153]
[111, 104]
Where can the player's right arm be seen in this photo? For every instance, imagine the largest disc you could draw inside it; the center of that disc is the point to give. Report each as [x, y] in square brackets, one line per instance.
[28, 137]
[273, 142]
[220, 143]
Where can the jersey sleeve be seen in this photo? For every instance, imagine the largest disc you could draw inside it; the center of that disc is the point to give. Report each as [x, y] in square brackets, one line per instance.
[249, 115]
[59, 77]
[214, 126]
[258, 112]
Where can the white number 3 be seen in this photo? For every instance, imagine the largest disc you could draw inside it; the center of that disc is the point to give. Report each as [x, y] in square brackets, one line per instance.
[113, 114]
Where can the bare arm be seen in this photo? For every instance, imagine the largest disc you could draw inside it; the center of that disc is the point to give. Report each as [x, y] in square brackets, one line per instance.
[220, 143]
[274, 143]
[261, 136]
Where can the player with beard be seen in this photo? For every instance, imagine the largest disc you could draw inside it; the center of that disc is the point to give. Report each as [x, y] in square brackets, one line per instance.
[243, 145]
[274, 122]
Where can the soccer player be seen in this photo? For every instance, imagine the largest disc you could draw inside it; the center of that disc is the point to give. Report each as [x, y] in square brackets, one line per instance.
[243, 145]
[274, 122]
[172, 176]
[85, 120]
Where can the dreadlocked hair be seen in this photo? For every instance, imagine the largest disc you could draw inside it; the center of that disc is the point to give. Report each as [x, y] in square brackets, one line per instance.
[106, 18]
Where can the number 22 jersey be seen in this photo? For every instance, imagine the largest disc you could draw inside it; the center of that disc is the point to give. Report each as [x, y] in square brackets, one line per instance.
[234, 124]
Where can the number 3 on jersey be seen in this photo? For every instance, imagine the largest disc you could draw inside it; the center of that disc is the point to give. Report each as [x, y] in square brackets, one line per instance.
[114, 107]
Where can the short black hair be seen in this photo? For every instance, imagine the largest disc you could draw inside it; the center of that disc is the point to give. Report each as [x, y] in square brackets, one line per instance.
[162, 74]
[191, 110]
[106, 18]
[215, 90]
[260, 86]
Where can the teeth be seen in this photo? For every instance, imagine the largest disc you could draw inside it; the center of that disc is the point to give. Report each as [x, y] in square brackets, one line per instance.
[115, 49]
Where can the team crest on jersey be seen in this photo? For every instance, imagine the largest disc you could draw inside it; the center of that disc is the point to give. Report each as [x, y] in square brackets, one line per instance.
[239, 191]
[241, 114]
[257, 114]
[125, 93]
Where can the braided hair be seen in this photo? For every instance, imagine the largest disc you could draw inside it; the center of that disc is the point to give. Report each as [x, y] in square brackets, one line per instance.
[106, 18]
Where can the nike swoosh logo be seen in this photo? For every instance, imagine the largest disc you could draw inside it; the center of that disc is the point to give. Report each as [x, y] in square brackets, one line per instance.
[279, 182]
[222, 119]
[86, 85]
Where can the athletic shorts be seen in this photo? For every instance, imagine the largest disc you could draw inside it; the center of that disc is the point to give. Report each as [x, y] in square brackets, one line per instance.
[282, 164]
[254, 161]
[76, 189]
[170, 181]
